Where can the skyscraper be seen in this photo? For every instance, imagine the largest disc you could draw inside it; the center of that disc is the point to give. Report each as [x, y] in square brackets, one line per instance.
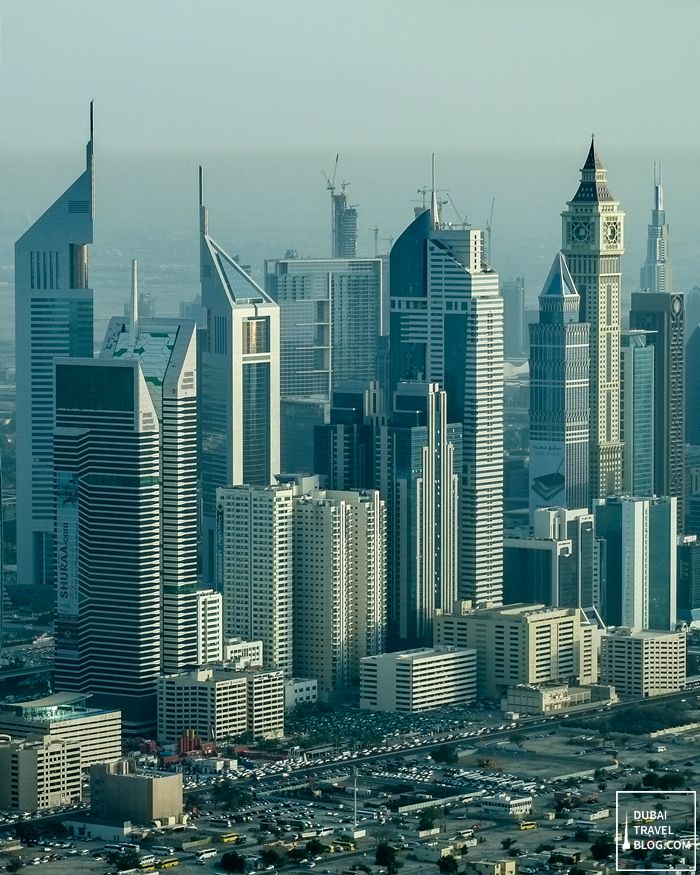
[340, 585]
[446, 326]
[344, 228]
[255, 564]
[592, 242]
[657, 309]
[655, 275]
[109, 533]
[559, 388]
[53, 317]
[513, 294]
[637, 411]
[240, 384]
[640, 587]
[692, 388]
[418, 460]
[166, 350]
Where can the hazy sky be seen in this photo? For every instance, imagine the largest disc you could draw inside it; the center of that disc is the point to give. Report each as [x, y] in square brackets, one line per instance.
[397, 74]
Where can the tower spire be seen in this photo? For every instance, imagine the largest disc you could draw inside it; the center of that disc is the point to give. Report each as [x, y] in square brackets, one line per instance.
[434, 204]
[134, 301]
[203, 217]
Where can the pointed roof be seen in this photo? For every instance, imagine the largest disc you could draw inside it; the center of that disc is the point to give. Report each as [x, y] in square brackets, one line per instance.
[594, 185]
[559, 283]
[592, 160]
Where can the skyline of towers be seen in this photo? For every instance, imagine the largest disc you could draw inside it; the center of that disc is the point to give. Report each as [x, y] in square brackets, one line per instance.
[53, 317]
[559, 396]
[446, 326]
[240, 381]
[593, 242]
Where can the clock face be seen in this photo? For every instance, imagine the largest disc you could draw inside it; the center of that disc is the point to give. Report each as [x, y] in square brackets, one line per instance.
[580, 232]
[676, 305]
[611, 232]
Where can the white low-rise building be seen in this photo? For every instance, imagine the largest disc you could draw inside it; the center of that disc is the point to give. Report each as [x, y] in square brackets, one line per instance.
[642, 663]
[298, 691]
[39, 773]
[418, 680]
[502, 805]
[218, 704]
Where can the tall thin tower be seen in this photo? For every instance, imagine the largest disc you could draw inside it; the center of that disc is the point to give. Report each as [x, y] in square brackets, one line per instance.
[240, 381]
[593, 242]
[657, 309]
[53, 317]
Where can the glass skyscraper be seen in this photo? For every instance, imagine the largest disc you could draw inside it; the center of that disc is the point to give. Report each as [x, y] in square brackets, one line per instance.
[637, 412]
[53, 317]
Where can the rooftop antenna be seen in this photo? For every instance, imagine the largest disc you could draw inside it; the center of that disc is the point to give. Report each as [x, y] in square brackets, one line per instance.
[489, 228]
[375, 231]
[203, 218]
[434, 205]
[134, 301]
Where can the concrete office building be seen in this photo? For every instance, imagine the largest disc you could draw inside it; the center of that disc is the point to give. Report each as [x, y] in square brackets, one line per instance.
[410, 681]
[255, 567]
[522, 644]
[66, 717]
[298, 691]
[166, 351]
[340, 586]
[39, 774]
[593, 243]
[557, 562]
[637, 412]
[642, 663]
[219, 704]
[240, 389]
[559, 396]
[640, 561]
[688, 589]
[446, 327]
[107, 458]
[418, 463]
[119, 793]
[210, 628]
[241, 655]
[53, 317]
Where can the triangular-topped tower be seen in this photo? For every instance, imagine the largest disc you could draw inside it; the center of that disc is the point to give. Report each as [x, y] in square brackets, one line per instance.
[593, 243]
[559, 413]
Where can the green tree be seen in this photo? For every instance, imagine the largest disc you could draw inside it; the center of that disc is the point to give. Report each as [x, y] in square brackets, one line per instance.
[580, 835]
[385, 855]
[232, 862]
[507, 843]
[14, 865]
[445, 754]
[314, 846]
[515, 738]
[128, 859]
[426, 818]
[602, 848]
[271, 857]
[653, 765]
[448, 865]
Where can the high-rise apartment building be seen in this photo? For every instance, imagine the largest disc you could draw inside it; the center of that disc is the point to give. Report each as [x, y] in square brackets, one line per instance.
[166, 350]
[418, 463]
[593, 242]
[340, 585]
[240, 390]
[255, 567]
[559, 396]
[446, 327]
[692, 388]
[637, 411]
[53, 317]
[513, 294]
[640, 561]
[107, 461]
[522, 644]
[210, 627]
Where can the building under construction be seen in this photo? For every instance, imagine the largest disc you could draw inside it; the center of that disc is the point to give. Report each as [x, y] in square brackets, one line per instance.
[344, 226]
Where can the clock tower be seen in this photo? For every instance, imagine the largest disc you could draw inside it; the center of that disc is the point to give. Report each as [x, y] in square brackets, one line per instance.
[593, 241]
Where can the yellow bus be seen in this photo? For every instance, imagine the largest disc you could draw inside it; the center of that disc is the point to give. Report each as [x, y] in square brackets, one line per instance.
[527, 824]
[170, 863]
[229, 837]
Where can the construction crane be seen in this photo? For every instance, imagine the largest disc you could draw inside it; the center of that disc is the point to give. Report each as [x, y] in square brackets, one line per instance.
[330, 183]
[330, 186]
[463, 221]
[489, 227]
